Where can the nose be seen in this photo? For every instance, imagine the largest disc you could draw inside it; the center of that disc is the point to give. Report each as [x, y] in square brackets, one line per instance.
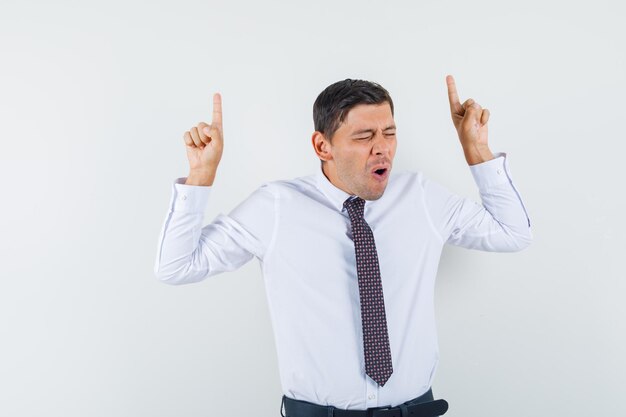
[382, 144]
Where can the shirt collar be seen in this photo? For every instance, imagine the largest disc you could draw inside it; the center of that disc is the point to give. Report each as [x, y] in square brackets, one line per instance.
[335, 195]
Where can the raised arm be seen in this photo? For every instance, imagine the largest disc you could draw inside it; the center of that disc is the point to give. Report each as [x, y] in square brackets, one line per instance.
[500, 223]
[188, 252]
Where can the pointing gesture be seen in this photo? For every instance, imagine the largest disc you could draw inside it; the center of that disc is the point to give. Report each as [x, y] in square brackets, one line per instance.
[470, 121]
[204, 145]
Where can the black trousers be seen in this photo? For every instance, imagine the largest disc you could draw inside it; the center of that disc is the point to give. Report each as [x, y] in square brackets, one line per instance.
[427, 407]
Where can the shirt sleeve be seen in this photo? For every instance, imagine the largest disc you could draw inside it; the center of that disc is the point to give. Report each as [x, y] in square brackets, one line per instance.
[500, 224]
[188, 252]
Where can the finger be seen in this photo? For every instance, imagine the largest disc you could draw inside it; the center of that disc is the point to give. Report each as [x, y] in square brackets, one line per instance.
[217, 109]
[196, 137]
[467, 103]
[473, 112]
[188, 140]
[453, 97]
[484, 118]
[204, 132]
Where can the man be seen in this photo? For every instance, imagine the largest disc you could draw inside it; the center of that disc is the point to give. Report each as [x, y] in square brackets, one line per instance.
[350, 254]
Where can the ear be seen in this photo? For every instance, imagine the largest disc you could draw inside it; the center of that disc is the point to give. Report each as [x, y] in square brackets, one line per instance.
[322, 146]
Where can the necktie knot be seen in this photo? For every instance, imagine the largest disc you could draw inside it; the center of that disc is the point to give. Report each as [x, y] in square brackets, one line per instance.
[355, 207]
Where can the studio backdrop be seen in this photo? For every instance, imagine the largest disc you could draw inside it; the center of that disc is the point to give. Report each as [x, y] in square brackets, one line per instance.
[95, 99]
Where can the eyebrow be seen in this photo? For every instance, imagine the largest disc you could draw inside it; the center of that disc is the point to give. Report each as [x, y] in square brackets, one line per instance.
[358, 132]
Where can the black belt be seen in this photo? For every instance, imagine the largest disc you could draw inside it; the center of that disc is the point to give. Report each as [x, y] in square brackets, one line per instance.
[422, 406]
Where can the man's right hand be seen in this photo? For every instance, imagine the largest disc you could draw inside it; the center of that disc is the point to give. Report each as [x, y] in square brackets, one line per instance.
[204, 145]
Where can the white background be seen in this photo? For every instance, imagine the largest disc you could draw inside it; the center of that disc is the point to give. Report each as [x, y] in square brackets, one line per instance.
[94, 101]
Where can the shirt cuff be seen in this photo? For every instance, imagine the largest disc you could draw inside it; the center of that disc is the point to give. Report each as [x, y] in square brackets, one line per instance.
[189, 198]
[492, 172]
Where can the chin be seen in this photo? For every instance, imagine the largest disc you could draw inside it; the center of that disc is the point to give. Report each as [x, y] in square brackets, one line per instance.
[374, 196]
[378, 196]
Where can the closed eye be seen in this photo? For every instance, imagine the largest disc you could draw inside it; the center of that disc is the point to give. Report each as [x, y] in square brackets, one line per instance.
[369, 137]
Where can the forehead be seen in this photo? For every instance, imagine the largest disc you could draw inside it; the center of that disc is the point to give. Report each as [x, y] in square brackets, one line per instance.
[368, 114]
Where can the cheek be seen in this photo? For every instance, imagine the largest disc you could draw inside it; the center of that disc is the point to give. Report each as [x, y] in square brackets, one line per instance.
[350, 157]
[349, 166]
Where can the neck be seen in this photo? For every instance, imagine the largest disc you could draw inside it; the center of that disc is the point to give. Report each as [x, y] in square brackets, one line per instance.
[330, 172]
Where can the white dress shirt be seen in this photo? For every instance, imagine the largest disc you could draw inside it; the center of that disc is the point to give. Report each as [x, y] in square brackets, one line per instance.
[301, 235]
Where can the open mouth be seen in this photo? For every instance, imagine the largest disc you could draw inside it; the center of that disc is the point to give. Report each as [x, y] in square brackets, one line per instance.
[380, 173]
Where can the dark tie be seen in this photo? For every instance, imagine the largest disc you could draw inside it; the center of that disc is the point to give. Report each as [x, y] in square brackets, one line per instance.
[374, 322]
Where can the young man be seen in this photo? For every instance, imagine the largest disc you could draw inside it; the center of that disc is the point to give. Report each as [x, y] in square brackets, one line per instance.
[349, 254]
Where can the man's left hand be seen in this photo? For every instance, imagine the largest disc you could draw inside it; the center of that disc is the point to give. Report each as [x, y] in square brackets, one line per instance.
[470, 121]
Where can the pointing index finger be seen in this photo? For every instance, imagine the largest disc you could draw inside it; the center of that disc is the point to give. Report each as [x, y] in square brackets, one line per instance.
[217, 109]
[455, 104]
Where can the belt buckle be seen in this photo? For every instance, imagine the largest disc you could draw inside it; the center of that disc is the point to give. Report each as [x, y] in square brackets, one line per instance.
[370, 412]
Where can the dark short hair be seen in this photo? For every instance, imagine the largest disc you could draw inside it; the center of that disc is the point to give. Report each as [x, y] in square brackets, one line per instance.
[333, 104]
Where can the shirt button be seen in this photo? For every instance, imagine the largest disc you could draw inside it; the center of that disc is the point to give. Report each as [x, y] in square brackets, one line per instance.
[371, 396]
[499, 172]
[184, 197]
